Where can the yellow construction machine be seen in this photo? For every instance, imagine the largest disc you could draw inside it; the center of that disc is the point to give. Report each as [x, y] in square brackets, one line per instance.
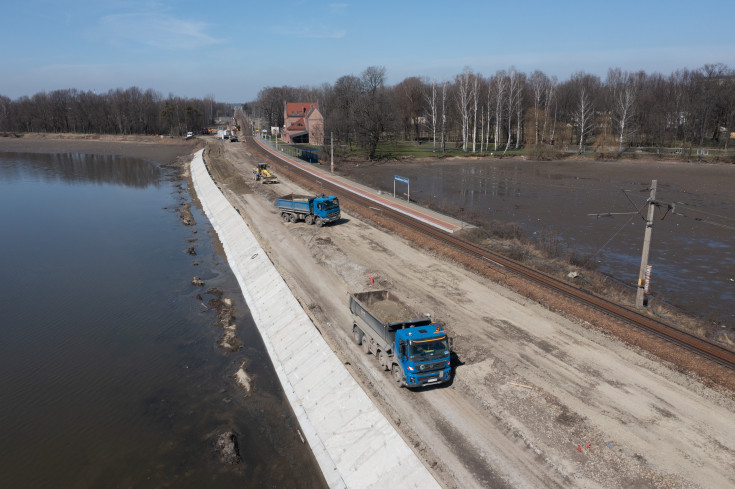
[263, 175]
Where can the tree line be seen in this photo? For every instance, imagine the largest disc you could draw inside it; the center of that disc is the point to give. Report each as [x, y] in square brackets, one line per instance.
[511, 110]
[119, 111]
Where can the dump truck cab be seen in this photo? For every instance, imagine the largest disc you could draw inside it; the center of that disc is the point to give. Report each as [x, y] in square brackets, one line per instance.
[423, 355]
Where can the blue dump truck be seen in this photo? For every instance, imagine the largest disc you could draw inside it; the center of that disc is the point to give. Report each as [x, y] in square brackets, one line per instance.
[416, 351]
[318, 210]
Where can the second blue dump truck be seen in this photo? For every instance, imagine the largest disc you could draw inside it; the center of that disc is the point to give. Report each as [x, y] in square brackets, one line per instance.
[415, 350]
[319, 210]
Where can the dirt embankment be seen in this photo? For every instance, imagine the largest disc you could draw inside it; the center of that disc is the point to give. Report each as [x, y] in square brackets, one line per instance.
[538, 399]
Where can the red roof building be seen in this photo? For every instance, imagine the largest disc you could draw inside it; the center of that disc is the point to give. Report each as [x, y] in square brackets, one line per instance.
[303, 123]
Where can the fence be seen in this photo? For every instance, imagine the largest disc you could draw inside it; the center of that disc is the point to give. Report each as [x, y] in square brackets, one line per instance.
[308, 155]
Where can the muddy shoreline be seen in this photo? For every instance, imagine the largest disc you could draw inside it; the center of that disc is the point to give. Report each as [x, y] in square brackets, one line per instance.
[554, 203]
[166, 151]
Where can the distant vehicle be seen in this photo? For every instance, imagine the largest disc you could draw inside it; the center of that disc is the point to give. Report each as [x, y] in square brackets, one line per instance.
[319, 210]
[233, 138]
[417, 351]
[189, 135]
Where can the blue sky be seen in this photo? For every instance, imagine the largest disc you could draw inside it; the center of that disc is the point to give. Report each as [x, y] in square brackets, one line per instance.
[233, 49]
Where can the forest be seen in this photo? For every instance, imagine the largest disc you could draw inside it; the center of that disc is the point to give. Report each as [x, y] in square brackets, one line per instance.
[118, 111]
[685, 110]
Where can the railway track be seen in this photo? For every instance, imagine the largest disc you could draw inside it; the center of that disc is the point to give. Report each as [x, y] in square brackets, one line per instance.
[716, 352]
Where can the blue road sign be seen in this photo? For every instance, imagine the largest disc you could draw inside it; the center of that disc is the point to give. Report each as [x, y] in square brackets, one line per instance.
[400, 179]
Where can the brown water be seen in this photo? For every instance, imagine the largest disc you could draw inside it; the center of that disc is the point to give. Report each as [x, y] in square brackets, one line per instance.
[110, 373]
[692, 251]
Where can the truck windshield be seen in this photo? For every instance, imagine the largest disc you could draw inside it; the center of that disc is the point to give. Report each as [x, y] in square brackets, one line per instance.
[330, 204]
[424, 350]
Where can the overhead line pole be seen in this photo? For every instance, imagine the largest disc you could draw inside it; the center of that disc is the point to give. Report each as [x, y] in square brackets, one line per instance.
[640, 293]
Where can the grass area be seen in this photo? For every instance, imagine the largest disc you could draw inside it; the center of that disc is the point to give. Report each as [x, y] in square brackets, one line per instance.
[416, 149]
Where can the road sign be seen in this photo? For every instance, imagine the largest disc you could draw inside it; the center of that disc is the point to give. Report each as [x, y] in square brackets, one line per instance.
[396, 178]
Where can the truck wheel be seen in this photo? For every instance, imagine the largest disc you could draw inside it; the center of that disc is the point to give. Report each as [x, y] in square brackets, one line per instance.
[383, 360]
[292, 217]
[310, 220]
[357, 334]
[397, 376]
[366, 346]
[319, 222]
[284, 217]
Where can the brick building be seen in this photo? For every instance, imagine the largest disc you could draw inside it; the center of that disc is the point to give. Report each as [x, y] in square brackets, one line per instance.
[303, 123]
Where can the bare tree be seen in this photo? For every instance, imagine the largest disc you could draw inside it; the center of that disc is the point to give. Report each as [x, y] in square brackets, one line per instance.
[623, 89]
[519, 107]
[430, 97]
[500, 84]
[444, 117]
[584, 107]
[409, 102]
[372, 113]
[463, 103]
[511, 102]
[550, 97]
[539, 83]
[475, 97]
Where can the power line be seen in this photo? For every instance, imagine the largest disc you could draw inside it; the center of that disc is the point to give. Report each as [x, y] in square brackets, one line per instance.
[694, 209]
[706, 221]
[611, 237]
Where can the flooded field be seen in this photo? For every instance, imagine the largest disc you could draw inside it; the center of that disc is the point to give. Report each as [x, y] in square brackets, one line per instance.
[110, 369]
[692, 251]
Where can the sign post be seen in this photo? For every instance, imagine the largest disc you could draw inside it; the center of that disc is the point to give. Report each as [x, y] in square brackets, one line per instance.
[405, 180]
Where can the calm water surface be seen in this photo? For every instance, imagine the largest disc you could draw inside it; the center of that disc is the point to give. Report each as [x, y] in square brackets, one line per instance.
[110, 373]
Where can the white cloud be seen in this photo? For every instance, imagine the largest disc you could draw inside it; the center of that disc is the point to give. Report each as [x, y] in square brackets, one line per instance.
[156, 30]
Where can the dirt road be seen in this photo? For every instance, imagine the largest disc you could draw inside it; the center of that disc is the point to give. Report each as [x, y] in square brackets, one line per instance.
[538, 400]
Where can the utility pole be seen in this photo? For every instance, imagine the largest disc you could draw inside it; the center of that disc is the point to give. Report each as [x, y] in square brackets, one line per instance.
[646, 246]
[331, 151]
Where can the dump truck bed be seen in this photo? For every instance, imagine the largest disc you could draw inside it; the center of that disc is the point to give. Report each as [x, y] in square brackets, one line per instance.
[296, 203]
[384, 306]
[384, 313]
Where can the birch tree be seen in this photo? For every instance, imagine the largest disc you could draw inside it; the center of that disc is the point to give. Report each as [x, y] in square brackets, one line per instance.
[538, 82]
[584, 107]
[500, 84]
[510, 102]
[463, 104]
[623, 89]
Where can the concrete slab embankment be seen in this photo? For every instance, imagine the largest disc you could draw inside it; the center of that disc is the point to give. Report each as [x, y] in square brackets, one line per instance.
[353, 442]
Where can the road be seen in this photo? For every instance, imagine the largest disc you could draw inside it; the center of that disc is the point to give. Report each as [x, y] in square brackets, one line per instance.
[538, 400]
